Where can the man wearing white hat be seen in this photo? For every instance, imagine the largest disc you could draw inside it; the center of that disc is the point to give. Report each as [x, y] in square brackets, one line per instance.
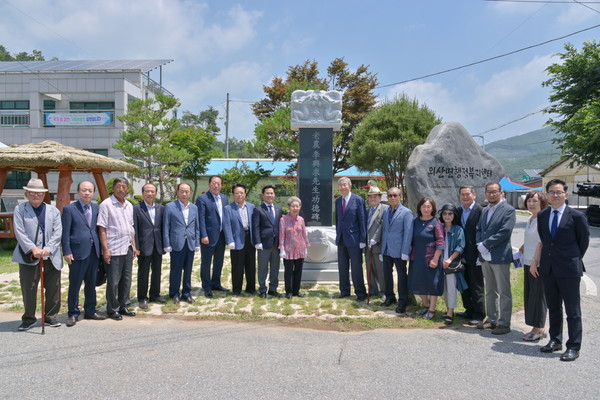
[373, 249]
[38, 231]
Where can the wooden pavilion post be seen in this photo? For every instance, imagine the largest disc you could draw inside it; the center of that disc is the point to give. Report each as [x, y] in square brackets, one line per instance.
[3, 175]
[100, 184]
[41, 173]
[65, 180]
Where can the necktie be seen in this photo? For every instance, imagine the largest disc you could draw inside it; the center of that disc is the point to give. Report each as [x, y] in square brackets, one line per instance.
[554, 224]
[343, 205]
[272, 213]
[371, 212]
[88, 215]
[219, 209]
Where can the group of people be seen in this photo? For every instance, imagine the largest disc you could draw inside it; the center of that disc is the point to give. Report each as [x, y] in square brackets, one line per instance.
[116, 232]
[464, 249]
[468, 249]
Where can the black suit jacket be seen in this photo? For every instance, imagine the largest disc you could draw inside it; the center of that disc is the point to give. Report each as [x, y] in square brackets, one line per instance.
[148, 236]
[563, 255]
[263, 230]
[470, 253]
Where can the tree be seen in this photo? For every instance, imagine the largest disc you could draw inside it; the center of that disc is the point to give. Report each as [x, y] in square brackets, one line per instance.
[198, 143]
[273, 135]
[147, 140]
[35, 55]
[575, 97]
[242, 173]
[206, 119]
[387, 136]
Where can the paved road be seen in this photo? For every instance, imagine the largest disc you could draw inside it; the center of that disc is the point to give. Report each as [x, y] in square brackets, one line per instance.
[172, 358]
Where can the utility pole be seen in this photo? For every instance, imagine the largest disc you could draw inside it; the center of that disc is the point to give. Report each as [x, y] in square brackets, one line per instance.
[227, 128]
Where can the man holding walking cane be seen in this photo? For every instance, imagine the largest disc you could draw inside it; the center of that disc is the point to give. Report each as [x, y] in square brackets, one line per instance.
[38, 231]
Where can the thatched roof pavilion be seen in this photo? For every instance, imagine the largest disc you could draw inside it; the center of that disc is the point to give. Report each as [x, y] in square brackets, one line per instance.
[52, 156]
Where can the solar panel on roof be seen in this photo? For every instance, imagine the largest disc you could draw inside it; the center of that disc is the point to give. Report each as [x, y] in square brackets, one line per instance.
[81, 65]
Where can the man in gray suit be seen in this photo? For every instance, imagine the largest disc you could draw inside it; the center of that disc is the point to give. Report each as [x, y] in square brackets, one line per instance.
[147, 221]
[181, 238]
[373, 250]
[38, 231]
[396, 238]
[493, 242]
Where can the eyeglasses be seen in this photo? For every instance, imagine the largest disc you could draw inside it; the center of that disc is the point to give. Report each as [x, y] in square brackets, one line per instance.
[556, 192]
[393, 195]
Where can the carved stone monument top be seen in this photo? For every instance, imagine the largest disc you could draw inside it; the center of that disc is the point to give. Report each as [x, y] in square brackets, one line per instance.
[447, 160]
[316, 109]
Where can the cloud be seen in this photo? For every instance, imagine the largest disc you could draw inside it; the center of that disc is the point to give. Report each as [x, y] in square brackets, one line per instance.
[514, 84]
[577, 14]
[435, 96]
[133, 29]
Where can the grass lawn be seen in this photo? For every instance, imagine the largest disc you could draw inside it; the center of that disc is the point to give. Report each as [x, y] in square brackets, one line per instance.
[319, 309]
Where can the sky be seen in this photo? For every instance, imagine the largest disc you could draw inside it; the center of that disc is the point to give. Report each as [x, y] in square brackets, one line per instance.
[237, 47]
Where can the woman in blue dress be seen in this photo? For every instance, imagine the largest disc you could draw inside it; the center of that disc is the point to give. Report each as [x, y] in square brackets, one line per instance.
[425, 276]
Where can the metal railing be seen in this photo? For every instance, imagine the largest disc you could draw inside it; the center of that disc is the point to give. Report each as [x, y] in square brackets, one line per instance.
[14, 118]
[155, 87]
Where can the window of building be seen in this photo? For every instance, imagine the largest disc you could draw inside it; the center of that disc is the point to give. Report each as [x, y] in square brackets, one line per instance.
[14, 105]
[17, 179]
[102, 152]
[92, 105]
[49, 105]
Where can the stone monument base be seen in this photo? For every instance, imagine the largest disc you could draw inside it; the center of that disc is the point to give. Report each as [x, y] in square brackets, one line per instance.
[320, 264]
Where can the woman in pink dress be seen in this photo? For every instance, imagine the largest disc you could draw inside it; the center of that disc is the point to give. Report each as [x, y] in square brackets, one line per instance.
[293, 243]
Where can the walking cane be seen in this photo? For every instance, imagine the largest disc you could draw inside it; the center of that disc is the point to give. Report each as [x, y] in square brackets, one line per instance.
[369, 275]
[42, 290]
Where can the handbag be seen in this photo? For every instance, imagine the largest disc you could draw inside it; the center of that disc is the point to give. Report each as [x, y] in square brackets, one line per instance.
[101, 272]
[454, 267]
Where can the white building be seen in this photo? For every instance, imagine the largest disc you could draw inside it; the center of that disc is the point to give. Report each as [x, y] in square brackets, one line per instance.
[71, 102]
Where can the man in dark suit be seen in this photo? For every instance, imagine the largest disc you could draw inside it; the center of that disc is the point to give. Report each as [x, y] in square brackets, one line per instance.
[351, 238]
[265, 230]
[493, 242]
[237, 225]
[473, 297]
[565, 237]
[181, 238]
[81, 249]
[212, 243]
[147, 221]
[396, 239]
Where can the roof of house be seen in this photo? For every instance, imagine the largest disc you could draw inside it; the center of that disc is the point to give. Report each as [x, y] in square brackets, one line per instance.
[218, 165]
[142, 66]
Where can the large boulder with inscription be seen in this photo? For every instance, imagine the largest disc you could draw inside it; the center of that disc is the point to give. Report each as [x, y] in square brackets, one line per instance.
[449, 159]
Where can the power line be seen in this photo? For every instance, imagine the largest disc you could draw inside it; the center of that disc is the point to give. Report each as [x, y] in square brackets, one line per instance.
[512, 122]
[488, 59]
[581, 3]
[544, 1]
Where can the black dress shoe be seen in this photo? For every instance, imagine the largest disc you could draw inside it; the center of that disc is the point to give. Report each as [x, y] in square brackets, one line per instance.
[389, 302]
[401, 309]
[71, 321]
[262, 295]
[189, 299]
[299, 294]
[342, 296]
[127, 312]
[288, 295]
[274, 293]
[464, 315]
[144, 304]
[208, 293]
[569, 355]
[176, 300]
[116, 316]
[94, 316]
[220, 289]
[551, 347]
[361, 298]
[158, 300]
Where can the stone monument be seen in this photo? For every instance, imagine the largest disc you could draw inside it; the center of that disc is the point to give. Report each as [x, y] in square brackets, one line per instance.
[315, 115]
[449, 159]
